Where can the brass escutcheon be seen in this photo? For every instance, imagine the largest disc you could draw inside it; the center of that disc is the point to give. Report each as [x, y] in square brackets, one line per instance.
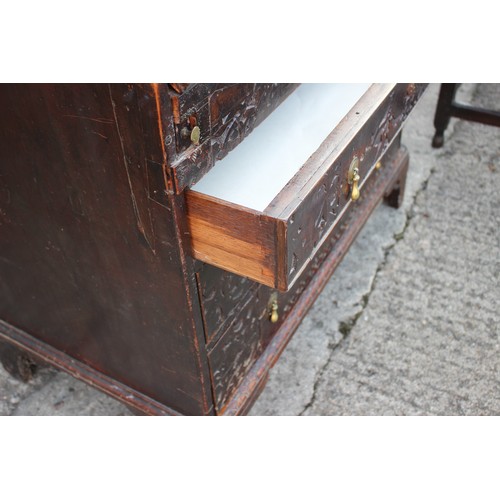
[353, 178]
[195, 135]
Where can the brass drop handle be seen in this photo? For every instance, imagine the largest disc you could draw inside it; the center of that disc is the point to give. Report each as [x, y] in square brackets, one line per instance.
[353, 178]
[355, 187]
[274, 316]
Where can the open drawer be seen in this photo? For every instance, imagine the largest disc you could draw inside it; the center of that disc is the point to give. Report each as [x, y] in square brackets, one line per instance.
[264, 210]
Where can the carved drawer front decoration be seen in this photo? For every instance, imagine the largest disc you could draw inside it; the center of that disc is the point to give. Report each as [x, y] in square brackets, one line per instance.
[224, 114]
[222, 295]
[272, 246]
[235, 352]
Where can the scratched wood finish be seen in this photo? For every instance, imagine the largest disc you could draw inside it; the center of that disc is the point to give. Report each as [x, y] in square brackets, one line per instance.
[92, 263]
[295, 303]
[37, 351]
[306, 210]
[225, 113]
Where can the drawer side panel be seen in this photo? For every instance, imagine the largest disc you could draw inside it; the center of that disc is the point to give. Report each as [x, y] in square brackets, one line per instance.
[233, 238]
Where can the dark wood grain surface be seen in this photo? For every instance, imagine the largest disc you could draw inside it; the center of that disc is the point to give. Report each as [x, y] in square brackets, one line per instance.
[91, 259]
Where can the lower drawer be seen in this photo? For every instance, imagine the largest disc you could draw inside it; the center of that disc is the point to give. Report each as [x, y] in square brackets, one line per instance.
[274, 243]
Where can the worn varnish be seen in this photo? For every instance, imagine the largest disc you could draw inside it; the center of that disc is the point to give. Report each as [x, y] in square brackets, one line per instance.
[92, 262]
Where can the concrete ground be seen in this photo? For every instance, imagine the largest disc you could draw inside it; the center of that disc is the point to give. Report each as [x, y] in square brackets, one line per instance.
[408, 324]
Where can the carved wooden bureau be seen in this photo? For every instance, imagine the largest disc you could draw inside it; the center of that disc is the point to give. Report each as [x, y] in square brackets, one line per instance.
[163, 242]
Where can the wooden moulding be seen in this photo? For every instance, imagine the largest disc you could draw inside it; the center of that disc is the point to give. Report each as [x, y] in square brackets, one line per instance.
[274, 246]
[40, 351]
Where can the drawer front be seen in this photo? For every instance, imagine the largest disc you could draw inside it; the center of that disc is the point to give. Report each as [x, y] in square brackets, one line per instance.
[315, 209]
[241, 345]
[273, 247]
[225, 115]
[394, 164]
[222, 295]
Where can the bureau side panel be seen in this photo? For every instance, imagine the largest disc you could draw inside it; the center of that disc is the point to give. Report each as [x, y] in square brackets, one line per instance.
[90, 255]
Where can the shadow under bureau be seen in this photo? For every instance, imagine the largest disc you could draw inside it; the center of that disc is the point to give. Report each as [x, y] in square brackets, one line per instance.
[162, 242]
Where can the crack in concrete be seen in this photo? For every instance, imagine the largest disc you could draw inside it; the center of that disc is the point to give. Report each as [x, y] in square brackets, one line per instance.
[345, 327]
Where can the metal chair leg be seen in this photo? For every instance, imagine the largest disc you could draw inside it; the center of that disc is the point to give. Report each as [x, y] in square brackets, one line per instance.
[443, 112]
